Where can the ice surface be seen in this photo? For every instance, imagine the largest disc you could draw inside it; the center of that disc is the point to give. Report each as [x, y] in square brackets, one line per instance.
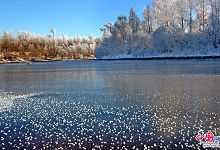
[7, 98]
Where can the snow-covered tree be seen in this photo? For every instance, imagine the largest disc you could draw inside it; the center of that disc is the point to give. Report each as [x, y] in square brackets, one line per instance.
[147, 22]
[1, 42]
[134, 21]
[53, 31]
[7, 38]
[107, 30]
[181, 10]
[214, 19]
[169, 26]
[121, 28]
[164, 12]
[202, 9]
[29, 46]
[190, 14]
[215, 16]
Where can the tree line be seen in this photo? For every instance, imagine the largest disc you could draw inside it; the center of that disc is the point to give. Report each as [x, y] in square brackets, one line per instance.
[30, 46]
[166, 26]
[177, 27]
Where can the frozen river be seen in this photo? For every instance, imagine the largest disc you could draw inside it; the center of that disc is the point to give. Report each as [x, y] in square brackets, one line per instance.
[108, 104]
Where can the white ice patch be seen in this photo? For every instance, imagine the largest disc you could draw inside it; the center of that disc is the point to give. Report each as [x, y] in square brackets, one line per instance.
[7, 98]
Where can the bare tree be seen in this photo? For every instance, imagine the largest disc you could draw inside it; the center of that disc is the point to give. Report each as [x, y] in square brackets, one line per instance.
[190, 12]
[53, 31]
[181, 13]
[202, 8]
[147, 22]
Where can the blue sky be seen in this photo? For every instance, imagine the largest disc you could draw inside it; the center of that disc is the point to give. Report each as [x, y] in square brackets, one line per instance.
[72, 17]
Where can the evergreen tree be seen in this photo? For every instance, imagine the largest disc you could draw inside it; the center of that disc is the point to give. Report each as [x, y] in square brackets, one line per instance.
[134, 21]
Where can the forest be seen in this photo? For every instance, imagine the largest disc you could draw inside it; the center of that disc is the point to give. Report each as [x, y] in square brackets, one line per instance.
[166, 28]
[26, 46]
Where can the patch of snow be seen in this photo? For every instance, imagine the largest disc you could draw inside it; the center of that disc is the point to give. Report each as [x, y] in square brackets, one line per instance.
[7, 98]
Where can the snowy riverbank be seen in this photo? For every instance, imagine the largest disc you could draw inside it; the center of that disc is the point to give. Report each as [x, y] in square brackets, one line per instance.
[153, 54]
[41, 60]
[128, 57]
[162, 57]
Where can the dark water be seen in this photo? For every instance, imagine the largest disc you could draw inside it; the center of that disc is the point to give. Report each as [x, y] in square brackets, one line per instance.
[108, 104]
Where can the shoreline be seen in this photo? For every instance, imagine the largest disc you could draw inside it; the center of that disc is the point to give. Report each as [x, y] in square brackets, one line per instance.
[25, 62]
[164, 58]
[38, 61]
[115, 59]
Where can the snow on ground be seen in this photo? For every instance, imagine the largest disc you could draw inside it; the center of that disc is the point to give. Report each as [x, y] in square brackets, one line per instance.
[154, 54]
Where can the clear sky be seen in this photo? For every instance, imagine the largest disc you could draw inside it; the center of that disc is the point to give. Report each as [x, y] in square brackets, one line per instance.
[72, 17]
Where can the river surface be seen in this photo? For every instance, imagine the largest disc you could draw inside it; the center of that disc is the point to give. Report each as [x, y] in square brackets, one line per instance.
[135, 104]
